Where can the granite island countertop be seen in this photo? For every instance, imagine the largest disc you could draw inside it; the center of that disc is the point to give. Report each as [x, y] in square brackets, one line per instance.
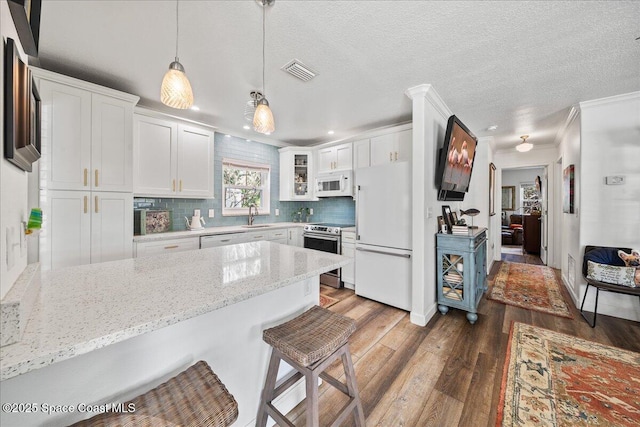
[84, 308]
[211, 231]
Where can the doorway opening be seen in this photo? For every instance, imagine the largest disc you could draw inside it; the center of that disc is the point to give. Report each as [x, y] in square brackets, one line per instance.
[523, 215]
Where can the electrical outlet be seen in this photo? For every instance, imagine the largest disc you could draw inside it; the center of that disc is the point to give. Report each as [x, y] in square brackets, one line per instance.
[211, 213]
[277, 212]
[196, 212]
[311, 211]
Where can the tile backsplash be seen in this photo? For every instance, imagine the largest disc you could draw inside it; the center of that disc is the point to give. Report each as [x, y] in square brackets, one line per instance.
[334, 209]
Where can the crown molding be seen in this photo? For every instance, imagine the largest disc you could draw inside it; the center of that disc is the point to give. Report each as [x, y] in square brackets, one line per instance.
[430, 94]
[631, 96]
[574, 113]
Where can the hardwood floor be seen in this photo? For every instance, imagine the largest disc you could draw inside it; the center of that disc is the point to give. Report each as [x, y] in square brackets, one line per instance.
[447, 373]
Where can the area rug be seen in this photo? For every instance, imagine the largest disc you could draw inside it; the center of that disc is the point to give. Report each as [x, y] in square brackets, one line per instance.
[533, 287]
[326, 302]
[553, 379]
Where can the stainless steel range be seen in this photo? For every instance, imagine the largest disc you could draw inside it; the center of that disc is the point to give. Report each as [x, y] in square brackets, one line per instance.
[326, 237]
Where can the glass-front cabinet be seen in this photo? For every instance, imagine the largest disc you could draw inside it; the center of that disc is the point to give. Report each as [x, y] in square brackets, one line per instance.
[296, 174]
[461, 271]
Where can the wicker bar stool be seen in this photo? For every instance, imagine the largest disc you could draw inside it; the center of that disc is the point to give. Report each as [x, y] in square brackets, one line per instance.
[195, 397]
[310, 343]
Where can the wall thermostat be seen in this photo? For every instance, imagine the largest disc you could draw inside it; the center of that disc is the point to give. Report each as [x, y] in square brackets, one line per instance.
[615, 180]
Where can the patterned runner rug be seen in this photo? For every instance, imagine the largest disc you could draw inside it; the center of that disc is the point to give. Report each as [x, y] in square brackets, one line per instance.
[553, 379]
[326, 302]
[533, 287]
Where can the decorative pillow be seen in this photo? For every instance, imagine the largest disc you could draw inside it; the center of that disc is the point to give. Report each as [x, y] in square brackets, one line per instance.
[611, 274]
[604, 255]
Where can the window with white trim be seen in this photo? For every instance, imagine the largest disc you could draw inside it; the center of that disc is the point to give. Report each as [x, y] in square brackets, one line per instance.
[529, 197]
[245, 184]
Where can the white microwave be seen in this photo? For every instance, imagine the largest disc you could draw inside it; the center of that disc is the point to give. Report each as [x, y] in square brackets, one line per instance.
[334, 184]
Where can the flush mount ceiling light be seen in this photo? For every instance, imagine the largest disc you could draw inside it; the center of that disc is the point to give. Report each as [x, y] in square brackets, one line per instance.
[263, 121]
[524, 146]
[176, 90]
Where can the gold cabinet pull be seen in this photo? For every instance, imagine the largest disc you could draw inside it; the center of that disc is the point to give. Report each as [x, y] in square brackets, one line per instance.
[96, 177]
[180, 185]
[396, 156]
[85, 203]
[86, 173]
[390, 156]
[174, 186]
[96, 204]
[171, 247]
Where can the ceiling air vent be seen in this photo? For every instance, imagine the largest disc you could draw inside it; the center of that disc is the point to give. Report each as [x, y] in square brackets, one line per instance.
[299, 70]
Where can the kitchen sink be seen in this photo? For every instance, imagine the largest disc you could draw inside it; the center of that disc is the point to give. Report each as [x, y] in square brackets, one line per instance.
[256, 226]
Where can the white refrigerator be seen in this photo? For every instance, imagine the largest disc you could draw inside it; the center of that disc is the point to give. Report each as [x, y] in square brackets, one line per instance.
[383, 234]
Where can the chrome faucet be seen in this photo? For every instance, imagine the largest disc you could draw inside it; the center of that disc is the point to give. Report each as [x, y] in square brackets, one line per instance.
[252, 213]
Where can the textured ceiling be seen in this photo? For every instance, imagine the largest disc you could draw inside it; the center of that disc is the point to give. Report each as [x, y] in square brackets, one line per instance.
[517, 65]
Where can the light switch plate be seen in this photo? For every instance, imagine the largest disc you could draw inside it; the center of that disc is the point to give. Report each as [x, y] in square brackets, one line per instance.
[615, 180]
[311, 211]
[277, 212]
[211, 213]
[196, 212]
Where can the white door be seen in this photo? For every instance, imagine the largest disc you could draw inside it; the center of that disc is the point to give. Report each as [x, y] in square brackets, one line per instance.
[111, 144]
[154, 153]
[66, 137]
[66, 237]
[195, 162]
[326, 159]
[111, 226]
[361, 154]
[544, 218]
[344, 156]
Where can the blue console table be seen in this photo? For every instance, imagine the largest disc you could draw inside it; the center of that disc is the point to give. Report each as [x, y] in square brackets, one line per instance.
[461, 271]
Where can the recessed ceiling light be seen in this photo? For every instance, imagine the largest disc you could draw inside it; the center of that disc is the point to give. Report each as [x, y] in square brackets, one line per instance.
[248, 140]
[195, 108]
[267, 133]
[246, 127]
[492, 127]
[331, 132]
[227, 136]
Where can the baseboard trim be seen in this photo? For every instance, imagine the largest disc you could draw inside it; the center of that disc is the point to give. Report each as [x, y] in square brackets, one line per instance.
[422, 319]
[287, 400]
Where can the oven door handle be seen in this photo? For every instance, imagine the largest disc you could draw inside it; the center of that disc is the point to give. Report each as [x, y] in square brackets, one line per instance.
[384, 253]
[315, 236]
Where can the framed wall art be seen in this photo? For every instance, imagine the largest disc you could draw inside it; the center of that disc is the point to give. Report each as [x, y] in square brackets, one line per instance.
[26, 18]
[492, 189]
[568, 176]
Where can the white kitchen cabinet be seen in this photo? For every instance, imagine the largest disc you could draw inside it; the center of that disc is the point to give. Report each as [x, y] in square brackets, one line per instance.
[172, 159]
[296, 173]
[361, 153]
[166, 246]
[295, 237]
[335, 158]
[86, 135]
[348, 275]
[391, 147]
[82, 227]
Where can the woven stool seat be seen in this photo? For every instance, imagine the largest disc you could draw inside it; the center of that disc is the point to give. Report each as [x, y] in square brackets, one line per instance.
[312, 336]
[195, 397]
[310, 343]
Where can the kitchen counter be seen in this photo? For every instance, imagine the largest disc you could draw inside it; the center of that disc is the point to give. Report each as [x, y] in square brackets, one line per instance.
[103, 333]
[84, 308]
[210, 231]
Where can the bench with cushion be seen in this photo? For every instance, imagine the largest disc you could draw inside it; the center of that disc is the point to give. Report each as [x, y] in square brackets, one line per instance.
[607, 256]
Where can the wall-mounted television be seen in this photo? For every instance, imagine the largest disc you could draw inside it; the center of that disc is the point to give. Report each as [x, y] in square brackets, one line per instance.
[455, 162]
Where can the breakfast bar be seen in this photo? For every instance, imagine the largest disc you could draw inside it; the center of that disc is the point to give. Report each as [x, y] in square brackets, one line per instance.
[101, 333]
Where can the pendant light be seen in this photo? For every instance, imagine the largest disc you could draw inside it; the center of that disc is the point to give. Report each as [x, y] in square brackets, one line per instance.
[524, 146]
[263, 118]
[176, 90]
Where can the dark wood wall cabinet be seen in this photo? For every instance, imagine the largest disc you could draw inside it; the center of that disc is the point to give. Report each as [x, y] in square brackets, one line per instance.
[531, 233]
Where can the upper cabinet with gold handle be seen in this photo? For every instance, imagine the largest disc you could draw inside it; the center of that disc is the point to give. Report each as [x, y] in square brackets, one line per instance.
[180, 185]
[173, 186]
